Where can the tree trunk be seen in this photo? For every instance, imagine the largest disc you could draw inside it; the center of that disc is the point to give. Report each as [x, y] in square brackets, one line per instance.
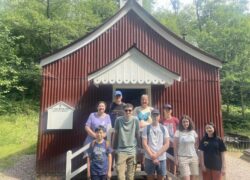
[49, 17]
[242, 101]
[197, 14]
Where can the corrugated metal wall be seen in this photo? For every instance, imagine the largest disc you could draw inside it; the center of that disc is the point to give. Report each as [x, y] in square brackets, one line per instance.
[198, 93]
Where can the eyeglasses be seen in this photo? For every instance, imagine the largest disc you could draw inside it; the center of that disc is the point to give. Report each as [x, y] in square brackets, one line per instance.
[128, 110]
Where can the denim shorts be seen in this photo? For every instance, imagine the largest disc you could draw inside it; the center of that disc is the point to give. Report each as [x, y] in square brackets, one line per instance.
[151, 168]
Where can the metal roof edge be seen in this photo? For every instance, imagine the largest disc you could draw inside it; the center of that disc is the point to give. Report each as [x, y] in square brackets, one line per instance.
[148, 19]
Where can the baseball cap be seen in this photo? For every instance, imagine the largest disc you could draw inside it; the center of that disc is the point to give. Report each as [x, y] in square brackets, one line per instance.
[167, 106]
[118, 93]
[155, 112]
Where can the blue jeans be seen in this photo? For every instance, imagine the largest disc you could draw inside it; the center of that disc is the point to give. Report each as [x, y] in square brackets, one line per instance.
[151, 168]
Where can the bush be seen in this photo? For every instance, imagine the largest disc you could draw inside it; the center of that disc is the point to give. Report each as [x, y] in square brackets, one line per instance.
[234, 122]
[25, 107]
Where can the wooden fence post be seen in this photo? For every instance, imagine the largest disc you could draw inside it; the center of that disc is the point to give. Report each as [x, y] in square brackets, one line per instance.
[68, 165]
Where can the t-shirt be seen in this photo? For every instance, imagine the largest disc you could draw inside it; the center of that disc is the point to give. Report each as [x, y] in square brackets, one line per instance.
[98, 153]
[126, 131]
[212, 148]
[116, 110]
[186, 144]
[94, 121]
[143, 114]
[155, 139]
[171, 125]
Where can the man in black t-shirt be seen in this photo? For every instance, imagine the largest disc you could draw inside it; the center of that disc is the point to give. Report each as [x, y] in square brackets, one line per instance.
[116, 107]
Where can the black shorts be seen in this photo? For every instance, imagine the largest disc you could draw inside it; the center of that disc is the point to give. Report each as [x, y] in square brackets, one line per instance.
[171, 151]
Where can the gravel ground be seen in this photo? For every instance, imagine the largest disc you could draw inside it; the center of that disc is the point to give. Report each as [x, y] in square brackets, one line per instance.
[24, 169]
[237, 169]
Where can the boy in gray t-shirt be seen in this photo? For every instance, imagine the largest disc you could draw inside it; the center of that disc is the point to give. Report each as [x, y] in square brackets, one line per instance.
[126, 138]
[155, 142]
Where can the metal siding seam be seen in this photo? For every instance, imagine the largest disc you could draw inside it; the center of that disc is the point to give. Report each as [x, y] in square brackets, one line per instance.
[193, 101]
[200, 97]
[204, 99]
[85, 56]
[107, 50]
[187, 87]
[127, 37]
[66, 81]
[73, 79]
[219, 104]
[79, 75]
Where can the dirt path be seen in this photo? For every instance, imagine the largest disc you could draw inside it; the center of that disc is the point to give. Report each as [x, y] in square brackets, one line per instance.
[237, 169]
[24, 168]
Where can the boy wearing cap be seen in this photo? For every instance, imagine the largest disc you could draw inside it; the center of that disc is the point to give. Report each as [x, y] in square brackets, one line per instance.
[171, 123]
[99, 158]
[155, 139]
[116, 107]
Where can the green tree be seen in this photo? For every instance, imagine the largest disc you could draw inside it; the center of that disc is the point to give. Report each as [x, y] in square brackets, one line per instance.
[47, 25]
[9, 69]
[220, 28]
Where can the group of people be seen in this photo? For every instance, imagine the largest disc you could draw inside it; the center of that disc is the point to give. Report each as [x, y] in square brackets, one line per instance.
[141, 129]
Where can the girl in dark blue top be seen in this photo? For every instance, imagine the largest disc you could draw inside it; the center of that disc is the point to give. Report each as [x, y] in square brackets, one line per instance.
[212, 150]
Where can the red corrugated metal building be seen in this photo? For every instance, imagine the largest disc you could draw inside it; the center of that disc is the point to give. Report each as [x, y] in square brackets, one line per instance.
[90, 69]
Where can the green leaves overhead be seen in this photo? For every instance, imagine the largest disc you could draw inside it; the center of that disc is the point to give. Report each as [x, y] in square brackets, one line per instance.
[32, 28]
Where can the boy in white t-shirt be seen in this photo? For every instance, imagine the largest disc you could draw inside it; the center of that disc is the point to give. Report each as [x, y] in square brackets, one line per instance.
[155, 139]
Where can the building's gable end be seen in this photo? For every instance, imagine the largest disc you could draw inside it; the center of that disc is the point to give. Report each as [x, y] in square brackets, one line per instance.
[146, 18]
[134, 67]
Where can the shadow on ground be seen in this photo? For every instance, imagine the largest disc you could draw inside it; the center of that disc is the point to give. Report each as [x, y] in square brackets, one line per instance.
[19, 165]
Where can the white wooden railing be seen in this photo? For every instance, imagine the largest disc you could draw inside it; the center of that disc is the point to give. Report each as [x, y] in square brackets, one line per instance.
[70, 156]
[170, 174]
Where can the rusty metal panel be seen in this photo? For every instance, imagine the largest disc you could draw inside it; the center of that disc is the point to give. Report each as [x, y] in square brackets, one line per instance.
[197, 95]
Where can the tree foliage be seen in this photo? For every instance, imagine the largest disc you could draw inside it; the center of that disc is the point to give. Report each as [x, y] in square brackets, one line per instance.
[32, 28]
[9, 69]
[220, 28]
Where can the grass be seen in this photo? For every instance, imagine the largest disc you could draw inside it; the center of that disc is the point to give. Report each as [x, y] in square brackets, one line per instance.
[239, 131]
[18, 136]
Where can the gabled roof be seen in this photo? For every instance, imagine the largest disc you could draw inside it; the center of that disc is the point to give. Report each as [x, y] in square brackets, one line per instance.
[61, 103]
[134, 67]
[132, 5]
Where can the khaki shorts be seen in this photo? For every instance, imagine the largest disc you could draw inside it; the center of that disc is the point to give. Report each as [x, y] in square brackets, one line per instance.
[188, 166]
[125, 161]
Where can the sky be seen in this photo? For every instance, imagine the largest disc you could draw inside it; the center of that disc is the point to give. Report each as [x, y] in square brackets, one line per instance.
[167, 3]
